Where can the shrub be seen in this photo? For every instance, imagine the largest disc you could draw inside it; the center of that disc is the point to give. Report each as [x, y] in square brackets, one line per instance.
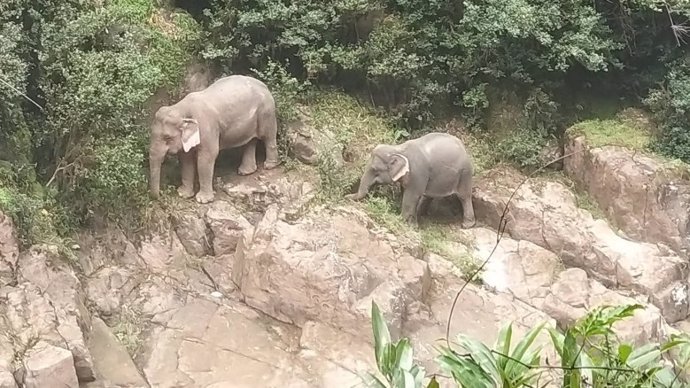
[671, 106]
[96, 70]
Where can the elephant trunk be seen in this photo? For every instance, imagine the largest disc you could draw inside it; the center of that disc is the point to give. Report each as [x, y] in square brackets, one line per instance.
[155, 162]
[365, 183]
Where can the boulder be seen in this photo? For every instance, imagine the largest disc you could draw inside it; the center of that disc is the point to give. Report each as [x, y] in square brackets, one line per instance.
[109, 287]
[302, 145]
[326, 267]
[161, 252]
[192, 232]
[575, 294]
[46, 365]
[227, 225]
[640, 194]
[106, 247]
[9, 250]
[518, 267]
[546, 214]
[198, 76]
[112, 361]
[7, 379]
[43, 267]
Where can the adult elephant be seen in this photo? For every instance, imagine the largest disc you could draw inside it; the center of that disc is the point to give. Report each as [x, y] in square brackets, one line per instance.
[233, 111]
[435, 165]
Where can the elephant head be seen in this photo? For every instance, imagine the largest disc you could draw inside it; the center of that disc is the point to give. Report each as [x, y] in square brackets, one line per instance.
[387, 165]
[170, 131]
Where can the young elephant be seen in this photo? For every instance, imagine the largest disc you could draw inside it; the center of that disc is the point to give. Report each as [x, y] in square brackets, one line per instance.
[435, 165]
[233, 111]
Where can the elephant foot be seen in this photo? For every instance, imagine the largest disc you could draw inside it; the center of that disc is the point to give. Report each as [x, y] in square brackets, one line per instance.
[185, 192]
[244, 170]
[469, 224]
[271, 164]
[353, 197]
[202, 197]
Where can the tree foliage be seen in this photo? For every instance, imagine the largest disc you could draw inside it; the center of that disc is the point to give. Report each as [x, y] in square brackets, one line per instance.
[77, 76]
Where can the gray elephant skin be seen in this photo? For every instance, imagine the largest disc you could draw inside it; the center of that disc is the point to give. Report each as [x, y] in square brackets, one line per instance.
[435, 165]
[233, 111]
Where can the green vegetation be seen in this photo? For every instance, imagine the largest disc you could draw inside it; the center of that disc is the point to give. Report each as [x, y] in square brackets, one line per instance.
[590, 355]
[601, 133]
[345, 131]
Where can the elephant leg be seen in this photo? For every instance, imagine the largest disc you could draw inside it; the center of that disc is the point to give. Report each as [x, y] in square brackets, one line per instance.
[188, 167]
[464, 193]
[410, 204]
[270, 139]
[248, 165]
[206, 161]
[423, 208]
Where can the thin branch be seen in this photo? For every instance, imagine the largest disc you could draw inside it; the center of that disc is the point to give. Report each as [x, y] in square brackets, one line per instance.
[21, 93]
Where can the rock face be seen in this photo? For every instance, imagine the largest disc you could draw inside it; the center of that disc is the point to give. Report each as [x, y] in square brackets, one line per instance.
[326, 268]
[546, 214]
[9, 250]
[113, 364]
[574, 294]
[46, 365]
[478, 313]
[641, 195]
[47, 306]
[63, 289]
[518, 267]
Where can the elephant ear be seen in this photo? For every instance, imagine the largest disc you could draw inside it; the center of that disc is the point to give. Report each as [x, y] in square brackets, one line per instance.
[398, 166]
[190, 134]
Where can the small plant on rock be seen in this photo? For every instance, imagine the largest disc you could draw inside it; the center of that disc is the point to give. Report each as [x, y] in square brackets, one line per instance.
[394, 359]
[482, 367]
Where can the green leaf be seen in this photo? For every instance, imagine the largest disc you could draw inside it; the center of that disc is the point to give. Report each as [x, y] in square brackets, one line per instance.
[643, 356]
[557, 339]
[572, 377]
[512, 367]
[624, 351]
[503, 344]
[403, 356]
[433, 383]
[464, 370]
[382, 336]
[373, 380]
[482, 355]
[402, 379]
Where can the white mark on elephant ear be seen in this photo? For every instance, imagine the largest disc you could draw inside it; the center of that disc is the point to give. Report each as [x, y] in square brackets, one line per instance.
[404, 169]
[190, 141]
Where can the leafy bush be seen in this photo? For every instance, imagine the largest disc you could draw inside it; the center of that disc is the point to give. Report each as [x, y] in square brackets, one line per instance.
[94, 73]
[522, 147]
[671, 105]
